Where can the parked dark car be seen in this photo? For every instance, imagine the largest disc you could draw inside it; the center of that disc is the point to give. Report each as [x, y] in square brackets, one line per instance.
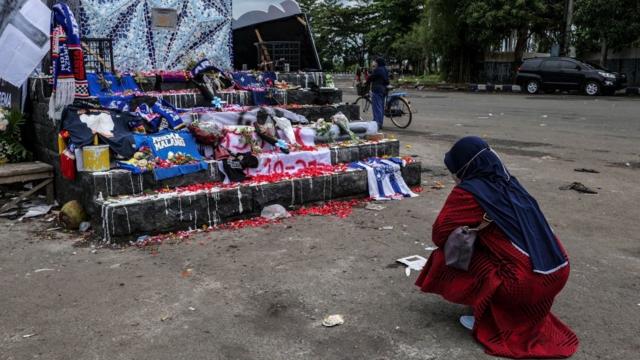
[563, 73]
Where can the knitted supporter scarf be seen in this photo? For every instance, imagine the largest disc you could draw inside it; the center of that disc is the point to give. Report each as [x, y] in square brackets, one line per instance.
[67, 61]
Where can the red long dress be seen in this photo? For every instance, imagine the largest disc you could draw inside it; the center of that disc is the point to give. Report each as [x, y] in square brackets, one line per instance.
[511, 303]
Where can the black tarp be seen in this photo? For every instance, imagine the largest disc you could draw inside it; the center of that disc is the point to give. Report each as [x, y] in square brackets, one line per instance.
[289, 29]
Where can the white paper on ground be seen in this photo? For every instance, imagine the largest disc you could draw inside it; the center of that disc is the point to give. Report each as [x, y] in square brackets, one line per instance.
[371, 206]
[36, 211]
[415, 262]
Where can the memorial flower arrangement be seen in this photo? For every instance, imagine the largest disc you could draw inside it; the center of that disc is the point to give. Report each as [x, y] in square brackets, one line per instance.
[105, 85]
[11, 150]
[173, 160]
[119, 77]
[247, 138]
[299, 147]
[343, 123]
[145, 161]
[324, 128]
[140, 79]
[191, 59]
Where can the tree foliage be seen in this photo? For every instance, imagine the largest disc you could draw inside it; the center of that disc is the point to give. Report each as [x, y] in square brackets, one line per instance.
[604, 24]
[491, 21]
[357, 33]
[452, 36]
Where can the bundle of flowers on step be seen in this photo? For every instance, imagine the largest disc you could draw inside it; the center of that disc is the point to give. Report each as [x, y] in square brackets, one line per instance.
[11, 148]
[324, 128]
[343, 123]
[247, 137]
[173, 160]
[144, 160]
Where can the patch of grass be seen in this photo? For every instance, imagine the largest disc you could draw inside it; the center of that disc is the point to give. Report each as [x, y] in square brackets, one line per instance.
[427, 79]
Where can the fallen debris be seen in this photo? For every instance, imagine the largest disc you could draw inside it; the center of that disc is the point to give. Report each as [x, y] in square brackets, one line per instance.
[142, 238]
[36, 211]
[72, 214]
[333, 320]
[592, 171]
[415, 262]
[578, 187]
[376, 207]
[84, 226]
[273, 212]
[438, 185]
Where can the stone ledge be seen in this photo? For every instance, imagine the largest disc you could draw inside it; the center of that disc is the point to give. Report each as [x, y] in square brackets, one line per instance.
[122, 182]
[130, 218]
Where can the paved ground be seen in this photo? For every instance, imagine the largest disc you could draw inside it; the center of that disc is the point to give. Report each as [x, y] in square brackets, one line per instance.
[262, 293]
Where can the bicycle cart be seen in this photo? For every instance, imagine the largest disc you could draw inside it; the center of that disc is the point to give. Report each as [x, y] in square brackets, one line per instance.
[397, 107]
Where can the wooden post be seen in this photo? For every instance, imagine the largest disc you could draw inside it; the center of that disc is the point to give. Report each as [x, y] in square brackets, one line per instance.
[50, 194]
[100, 59]
[22, 196]
[264, 52]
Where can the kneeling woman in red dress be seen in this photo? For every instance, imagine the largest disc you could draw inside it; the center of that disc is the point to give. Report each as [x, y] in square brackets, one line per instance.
[518, 264]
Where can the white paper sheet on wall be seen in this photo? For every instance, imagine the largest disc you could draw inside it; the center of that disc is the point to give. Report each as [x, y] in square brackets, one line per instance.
[24, 38]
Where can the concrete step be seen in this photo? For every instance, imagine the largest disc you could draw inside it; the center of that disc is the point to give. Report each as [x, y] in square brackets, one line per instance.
[313, 105]
[122, 182]
[40, 90]
[125, 218]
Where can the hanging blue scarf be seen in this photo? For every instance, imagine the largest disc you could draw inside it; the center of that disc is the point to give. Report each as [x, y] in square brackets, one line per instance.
[69, 79]
[501, 196]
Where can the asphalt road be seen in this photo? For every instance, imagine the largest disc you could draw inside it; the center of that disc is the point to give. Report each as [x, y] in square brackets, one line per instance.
[566, 125]
[261, 293]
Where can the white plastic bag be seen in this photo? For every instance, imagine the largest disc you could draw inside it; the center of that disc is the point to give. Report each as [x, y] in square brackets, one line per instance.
[287, 129]
[273, 212]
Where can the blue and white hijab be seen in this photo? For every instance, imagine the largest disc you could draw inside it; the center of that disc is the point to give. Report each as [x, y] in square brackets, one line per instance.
[511, 207]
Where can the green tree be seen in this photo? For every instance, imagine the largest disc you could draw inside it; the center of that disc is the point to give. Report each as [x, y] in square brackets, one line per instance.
[339, 31]
[361, 30]
[606, 24]
[446, 36]
[390, 21]
[327, 45]
[491, 21]
[412, 47]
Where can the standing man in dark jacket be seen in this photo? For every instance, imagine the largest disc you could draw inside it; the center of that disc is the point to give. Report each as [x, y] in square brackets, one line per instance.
[378, 80]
